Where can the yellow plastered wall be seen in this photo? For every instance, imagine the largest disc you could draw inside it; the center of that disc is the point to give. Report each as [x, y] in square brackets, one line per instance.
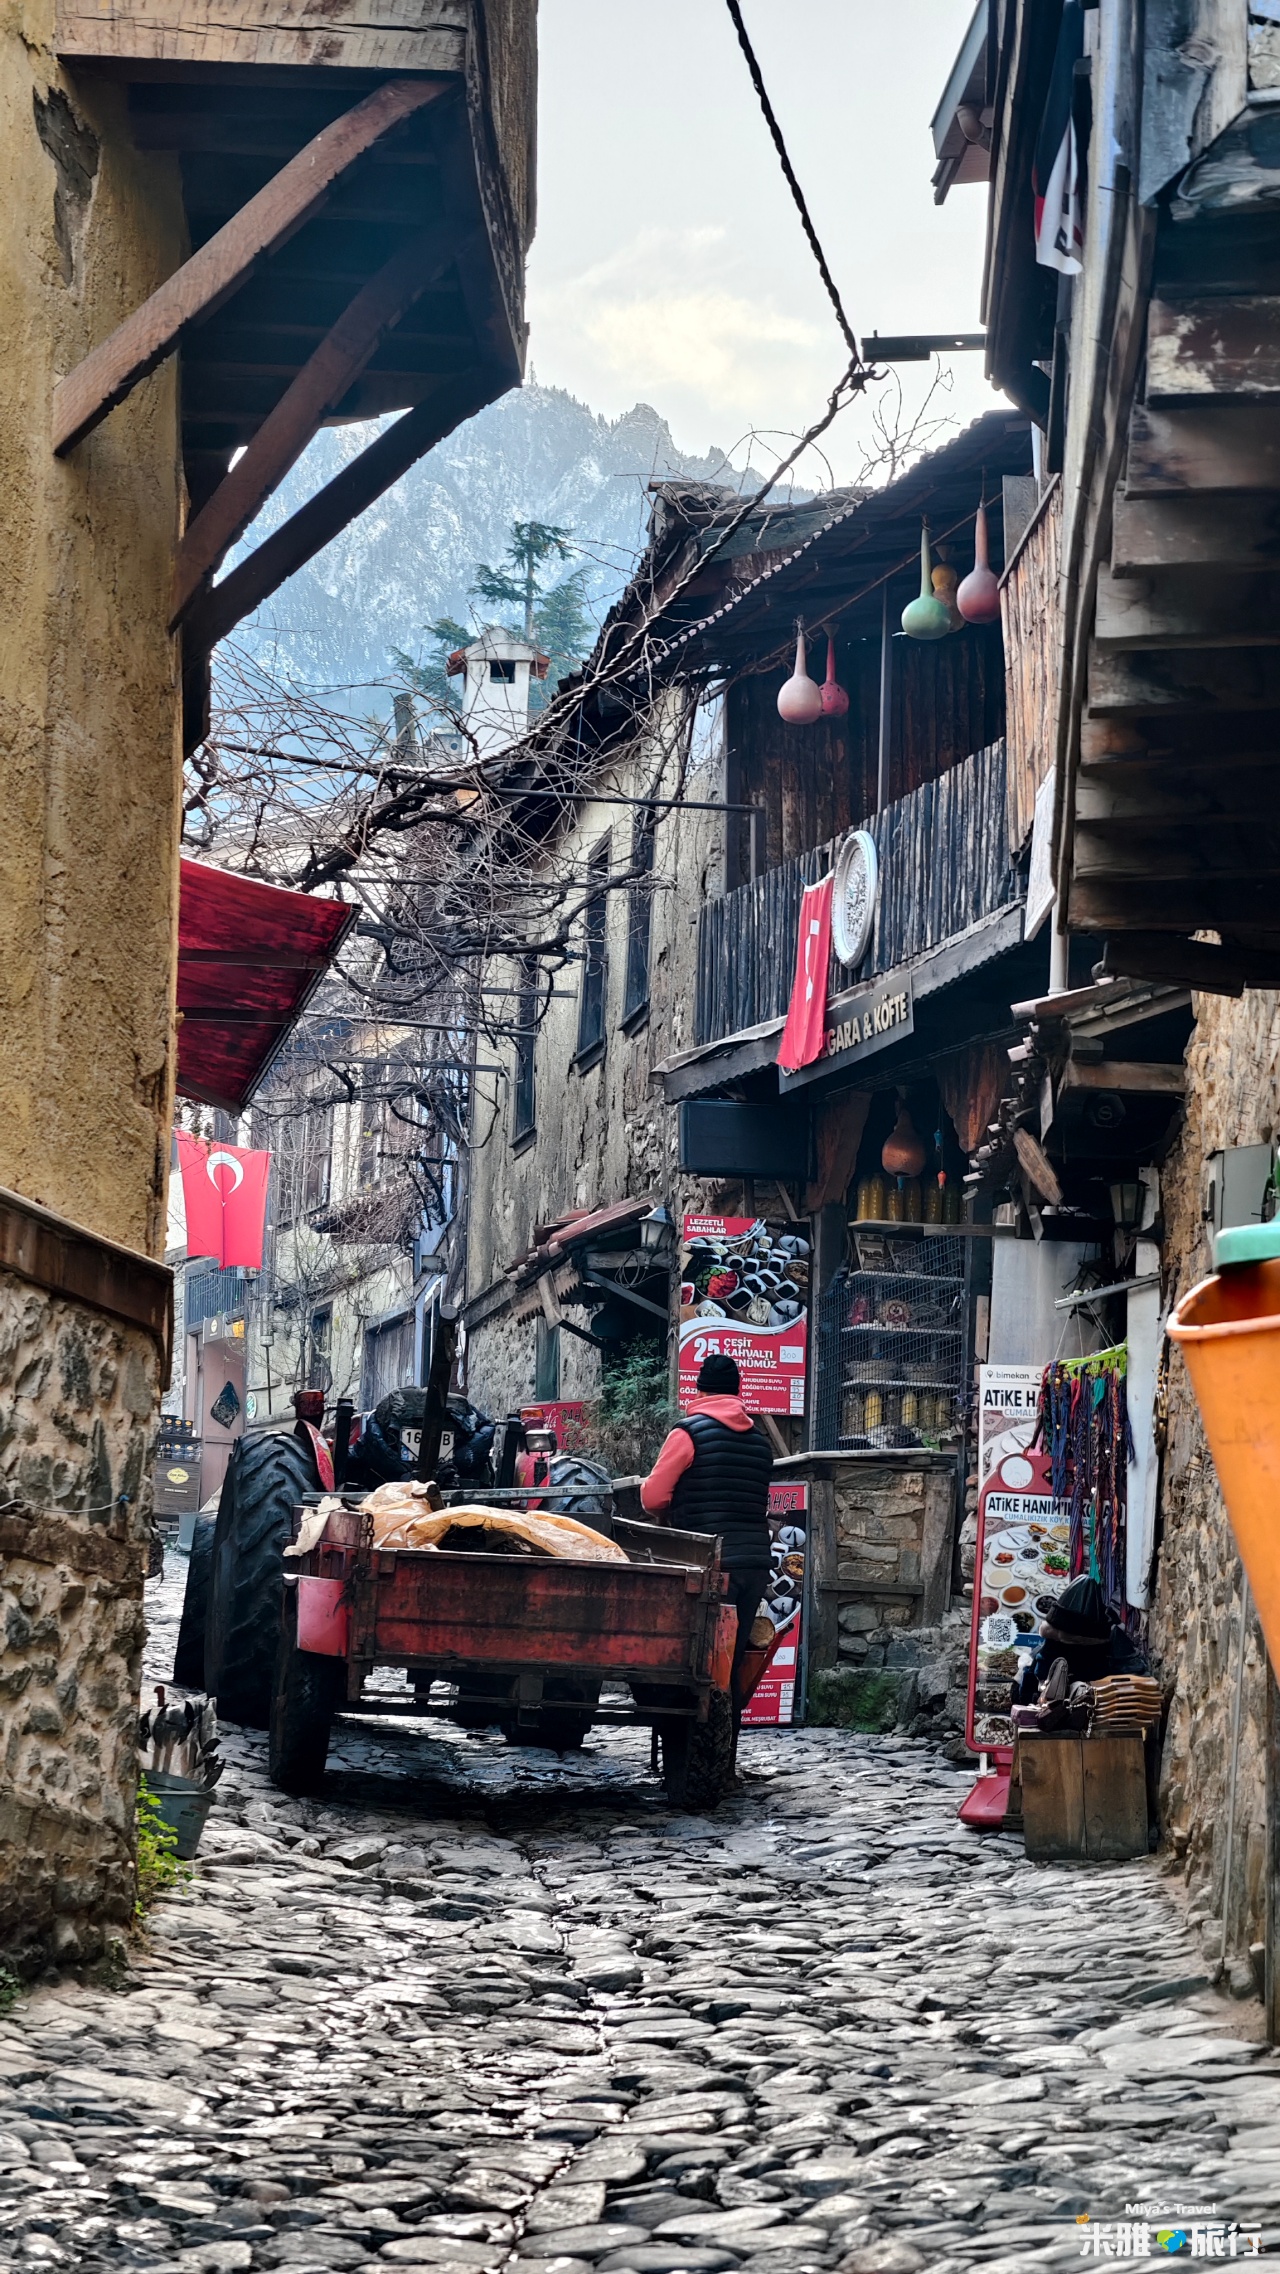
[89, 741]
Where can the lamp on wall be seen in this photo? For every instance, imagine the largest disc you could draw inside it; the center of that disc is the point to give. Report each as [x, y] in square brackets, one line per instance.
[1126, 1204]
[657, 1231]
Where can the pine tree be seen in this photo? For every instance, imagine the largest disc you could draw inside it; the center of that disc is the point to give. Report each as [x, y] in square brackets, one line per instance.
[553, 620]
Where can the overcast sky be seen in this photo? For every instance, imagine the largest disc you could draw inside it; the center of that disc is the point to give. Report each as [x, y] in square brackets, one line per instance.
[669, 265]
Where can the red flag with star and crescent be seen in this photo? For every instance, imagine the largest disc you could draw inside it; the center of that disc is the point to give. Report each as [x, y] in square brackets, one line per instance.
[225, 1191]
[802, 1035]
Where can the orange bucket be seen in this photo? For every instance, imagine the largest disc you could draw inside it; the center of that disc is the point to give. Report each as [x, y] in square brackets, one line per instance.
[1228, 1330]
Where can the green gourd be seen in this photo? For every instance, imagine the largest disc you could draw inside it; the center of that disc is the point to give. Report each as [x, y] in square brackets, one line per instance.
[927, 618]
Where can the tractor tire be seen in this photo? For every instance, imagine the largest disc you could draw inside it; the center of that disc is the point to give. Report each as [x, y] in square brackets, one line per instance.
[563, 1731]
[267, 1478]
[307, 1692]
[697, 1756]
[188, 1658]
[582, 1489]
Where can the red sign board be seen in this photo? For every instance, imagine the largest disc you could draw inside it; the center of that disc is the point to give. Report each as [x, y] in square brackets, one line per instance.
[773, 1704]
[565, 1416]
[744, 1292]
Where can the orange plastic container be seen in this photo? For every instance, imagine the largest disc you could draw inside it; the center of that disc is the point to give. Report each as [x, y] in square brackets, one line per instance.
[1228, 1330]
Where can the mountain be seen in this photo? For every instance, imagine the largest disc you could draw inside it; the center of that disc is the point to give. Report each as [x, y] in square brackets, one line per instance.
[536, 455]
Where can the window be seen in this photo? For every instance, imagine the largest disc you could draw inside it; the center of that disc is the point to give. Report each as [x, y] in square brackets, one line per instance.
[591, 1002]
[546, 1363]
[373, 1121]
[635, 997]
[524, 1090]
[503, 667]
[388, 1359]
[303, 1148]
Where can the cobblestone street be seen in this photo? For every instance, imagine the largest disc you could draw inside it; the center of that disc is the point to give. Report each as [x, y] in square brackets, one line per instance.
[478, 2008]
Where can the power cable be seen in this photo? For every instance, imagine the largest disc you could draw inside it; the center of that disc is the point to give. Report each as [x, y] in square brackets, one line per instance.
[757, 80]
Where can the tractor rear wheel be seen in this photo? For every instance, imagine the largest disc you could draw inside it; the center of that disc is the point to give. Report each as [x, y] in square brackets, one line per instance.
[568, 1710]
[188, 1658]
[697, 1756]
[307, 1693]
[266, 1479]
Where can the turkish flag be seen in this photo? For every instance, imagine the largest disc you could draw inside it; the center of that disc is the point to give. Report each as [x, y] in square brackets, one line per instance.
[225, 1190]
[802, 1035]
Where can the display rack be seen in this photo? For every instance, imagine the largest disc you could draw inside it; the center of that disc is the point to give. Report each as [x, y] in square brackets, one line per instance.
[893, 1340]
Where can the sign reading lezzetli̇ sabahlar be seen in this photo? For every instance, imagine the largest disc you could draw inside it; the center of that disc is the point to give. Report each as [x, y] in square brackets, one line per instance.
[744, 1292]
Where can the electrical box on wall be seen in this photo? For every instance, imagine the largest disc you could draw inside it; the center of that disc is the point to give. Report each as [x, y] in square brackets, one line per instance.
[1236, 1183]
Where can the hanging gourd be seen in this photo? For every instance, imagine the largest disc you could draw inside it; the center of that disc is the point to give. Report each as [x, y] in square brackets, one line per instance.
[835, 701]
[903, 1152]
[944, 581]
[800, 699]
[927, 618]
[979, 596]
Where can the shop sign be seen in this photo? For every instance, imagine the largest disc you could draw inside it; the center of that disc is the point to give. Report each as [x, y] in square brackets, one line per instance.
[860, 1024]
[1008, 1403]
[565, 1417]
[744, 1291]
[1022, 1554]
[773, 1704]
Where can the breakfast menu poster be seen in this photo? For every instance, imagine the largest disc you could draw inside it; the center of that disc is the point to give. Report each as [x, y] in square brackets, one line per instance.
[1023, 1545]
[772, 1705]
[744, 1291]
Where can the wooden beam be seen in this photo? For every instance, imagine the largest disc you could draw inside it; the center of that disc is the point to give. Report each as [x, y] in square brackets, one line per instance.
[1152, 533]
[1183, 679]
[1185, 608]
[1181, 848]
[1210, 970]
[1213, 347]
[82, 400]
[1227, 446]
[1159, 904]
[318, 389]
[1123, 1074]
[1147, 790]
[1038, 1167]
[313, 526]
[396, 35]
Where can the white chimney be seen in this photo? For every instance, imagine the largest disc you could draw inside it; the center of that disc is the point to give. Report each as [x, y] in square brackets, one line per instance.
[497, 669]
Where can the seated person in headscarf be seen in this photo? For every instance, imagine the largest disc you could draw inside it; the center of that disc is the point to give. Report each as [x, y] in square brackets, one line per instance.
[1080, 1627]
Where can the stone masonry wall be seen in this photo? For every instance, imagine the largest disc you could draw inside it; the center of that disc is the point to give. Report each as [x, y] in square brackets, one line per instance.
[1233, 1098]
[78, 1392]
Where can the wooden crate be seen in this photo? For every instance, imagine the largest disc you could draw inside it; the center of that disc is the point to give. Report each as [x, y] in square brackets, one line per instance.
[1083, 1796]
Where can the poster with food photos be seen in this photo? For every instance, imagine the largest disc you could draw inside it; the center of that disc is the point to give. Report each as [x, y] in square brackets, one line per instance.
[744, 1292]
[1022, 1559]
[773, 1704]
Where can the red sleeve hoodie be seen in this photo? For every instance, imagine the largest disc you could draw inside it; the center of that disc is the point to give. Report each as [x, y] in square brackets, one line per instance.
[659, 1486]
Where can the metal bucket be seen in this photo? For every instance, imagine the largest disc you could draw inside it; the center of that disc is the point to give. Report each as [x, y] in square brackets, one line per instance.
[183, 1805]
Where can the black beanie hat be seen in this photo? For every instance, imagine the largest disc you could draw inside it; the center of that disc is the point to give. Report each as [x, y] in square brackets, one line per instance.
[718, 1377]
[1080, 1610]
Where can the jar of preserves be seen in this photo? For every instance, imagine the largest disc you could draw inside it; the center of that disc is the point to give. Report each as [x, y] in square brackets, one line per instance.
[873, 1411]
[910, 1410]
[894, 1205]
[871, 1200]
[912, 1205]
[953, 1212]
[934, 1203]
[853, 1418]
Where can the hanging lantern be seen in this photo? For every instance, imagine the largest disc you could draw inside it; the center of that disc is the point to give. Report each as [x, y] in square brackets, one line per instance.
[835, 701]
[800, 699]
[944, 581]
[903, 1152]
[979, 596]
[926, 618]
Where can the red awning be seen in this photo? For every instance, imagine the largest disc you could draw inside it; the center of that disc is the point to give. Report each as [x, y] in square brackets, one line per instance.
[249, 956]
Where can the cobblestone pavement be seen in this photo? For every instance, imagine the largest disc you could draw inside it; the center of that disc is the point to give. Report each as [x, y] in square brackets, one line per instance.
[479, 2009]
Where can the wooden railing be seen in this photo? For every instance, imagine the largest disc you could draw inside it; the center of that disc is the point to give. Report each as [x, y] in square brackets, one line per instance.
[944, 864]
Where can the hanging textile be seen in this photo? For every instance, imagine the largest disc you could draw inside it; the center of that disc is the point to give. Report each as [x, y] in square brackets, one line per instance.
[802, 1035]
[1056, 173]
[1083, 1426]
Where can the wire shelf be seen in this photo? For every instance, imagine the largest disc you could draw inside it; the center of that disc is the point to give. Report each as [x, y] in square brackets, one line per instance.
[893, 1344]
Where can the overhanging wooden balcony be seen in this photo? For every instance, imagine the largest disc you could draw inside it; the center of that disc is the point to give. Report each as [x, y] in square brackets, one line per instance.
[357, 183]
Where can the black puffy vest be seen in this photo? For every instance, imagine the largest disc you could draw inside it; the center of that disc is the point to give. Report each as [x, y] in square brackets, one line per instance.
[725, 1488]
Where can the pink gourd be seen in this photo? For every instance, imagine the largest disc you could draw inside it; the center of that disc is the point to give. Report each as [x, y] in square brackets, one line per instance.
[835, 701]
[978, 598]
[800, 699]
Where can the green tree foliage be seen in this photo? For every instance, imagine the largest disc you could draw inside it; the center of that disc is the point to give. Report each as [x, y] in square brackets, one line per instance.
[553, 618]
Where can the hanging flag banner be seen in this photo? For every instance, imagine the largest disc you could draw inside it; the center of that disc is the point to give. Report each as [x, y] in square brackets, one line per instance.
[803, 1035]
[224, 1188]
[744, 1292]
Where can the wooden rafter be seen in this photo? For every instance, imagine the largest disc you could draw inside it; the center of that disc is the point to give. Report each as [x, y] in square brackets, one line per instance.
[83, 399]
[220, 608]
[317, 390]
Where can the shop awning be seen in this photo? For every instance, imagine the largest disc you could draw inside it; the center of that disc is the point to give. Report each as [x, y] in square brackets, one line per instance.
[249, 957]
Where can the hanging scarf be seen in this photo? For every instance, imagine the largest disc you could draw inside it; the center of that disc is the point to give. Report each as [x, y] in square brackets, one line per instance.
[1083, 1425]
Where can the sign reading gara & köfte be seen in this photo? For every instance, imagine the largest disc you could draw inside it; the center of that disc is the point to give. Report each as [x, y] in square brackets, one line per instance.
[858, 1024]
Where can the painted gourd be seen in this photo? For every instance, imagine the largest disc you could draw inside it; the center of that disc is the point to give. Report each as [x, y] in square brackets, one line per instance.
[800, 699]
[979, 596]
[944, 582]
[835, 701]
[903, 1154]
[927, 618]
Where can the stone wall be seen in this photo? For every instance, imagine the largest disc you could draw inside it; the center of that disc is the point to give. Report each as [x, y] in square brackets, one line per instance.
[78, 1391]
[1233, 1098]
